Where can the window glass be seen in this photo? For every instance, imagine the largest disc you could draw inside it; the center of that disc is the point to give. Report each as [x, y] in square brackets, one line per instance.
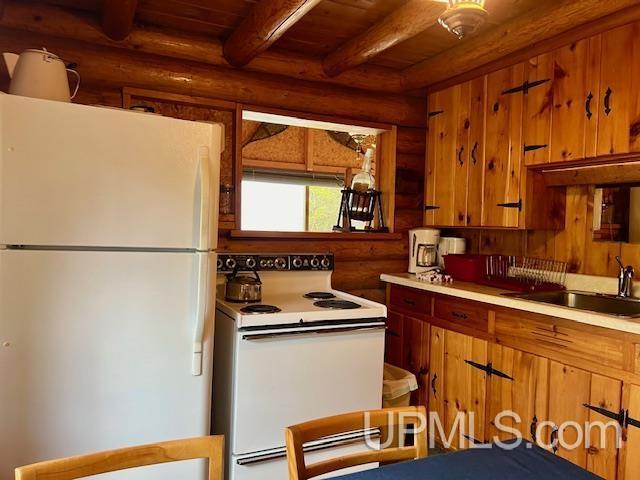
[324, 203]
[270, 206]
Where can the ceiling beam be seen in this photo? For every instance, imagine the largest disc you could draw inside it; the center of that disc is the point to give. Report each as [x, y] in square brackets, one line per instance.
[117, 18]
[538, 24]
[267, 21]
[62, 23]
[407, 21]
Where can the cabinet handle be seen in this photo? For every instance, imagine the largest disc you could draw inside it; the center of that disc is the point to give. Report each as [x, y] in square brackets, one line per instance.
[474, 153]
[460, 160]
[607, 101]
[554, 439]
[533, 428]
[408, 301]
[462, 316]
[587, 105]
[433, 385]
[391, 333]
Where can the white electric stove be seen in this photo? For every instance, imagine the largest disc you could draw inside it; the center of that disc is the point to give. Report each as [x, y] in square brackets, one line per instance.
[305, 351]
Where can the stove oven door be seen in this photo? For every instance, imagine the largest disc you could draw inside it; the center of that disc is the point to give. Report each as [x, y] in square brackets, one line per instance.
[288, 376]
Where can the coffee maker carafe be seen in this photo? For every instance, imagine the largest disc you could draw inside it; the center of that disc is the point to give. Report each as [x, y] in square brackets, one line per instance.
[423, 249]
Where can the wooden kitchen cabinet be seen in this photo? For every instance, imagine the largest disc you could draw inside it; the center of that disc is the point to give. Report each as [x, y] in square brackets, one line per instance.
[538, 105]
[574, 389]
[416, 356]
[544, 369]
[456, 387]
[503, 149]
[629, 464]
[453, 182]
[618, 102]
[521, 386]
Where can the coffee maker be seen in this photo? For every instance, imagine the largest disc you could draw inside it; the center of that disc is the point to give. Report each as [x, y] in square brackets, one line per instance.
[423, 249]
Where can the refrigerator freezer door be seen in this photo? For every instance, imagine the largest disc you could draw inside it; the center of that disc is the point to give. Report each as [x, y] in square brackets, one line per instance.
[73, 175]
[96, 352]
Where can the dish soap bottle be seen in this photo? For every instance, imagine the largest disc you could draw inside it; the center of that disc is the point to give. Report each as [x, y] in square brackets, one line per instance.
[363, 180]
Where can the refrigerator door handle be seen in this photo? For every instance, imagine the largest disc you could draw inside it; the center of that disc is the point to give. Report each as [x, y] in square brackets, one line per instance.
[204, 171]
[201, 305]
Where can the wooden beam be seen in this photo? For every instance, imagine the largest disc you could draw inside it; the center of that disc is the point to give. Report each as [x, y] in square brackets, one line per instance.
[50, 20]
[117, 18]
[407, 21]
[115, 68]
[537, 25]
[266, 23]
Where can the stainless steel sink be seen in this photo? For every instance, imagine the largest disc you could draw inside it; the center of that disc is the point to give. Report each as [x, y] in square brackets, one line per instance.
[591, 302]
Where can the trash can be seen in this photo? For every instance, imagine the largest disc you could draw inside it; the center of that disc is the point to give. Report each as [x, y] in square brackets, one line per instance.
[397, 385]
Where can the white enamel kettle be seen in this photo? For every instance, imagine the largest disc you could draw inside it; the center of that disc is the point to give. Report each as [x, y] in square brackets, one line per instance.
[40, 74]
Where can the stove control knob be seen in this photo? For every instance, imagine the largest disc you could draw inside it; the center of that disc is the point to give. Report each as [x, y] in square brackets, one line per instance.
[297, 262]
[280, 263]
[263, 263]
[251, 262]
[326, 263]
[220, 264]
[315, 263]
[230, 263]
[269, 263]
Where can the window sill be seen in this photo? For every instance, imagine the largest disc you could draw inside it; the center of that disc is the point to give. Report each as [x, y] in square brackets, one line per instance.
[315, 235]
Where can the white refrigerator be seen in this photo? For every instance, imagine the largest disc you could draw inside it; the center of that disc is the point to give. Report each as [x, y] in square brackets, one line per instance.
[108, 230]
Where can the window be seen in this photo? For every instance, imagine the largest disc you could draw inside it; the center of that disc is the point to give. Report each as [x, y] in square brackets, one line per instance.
[290, 202]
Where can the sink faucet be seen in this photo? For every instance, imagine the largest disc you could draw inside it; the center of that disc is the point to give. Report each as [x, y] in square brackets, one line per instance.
[625, 280]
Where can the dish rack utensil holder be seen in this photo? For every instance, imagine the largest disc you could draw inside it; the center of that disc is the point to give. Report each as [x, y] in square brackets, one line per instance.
[525, 274]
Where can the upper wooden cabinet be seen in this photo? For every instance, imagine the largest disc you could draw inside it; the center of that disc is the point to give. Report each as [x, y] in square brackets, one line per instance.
[455, 155]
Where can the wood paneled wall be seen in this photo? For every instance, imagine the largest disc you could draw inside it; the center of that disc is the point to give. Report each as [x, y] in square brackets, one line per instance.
[358, 263]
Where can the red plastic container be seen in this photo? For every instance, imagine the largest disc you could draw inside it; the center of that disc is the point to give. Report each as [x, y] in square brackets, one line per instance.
[466, 267]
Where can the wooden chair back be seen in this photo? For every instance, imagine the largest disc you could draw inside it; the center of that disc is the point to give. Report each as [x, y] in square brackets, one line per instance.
[387, 420]
[70, 468]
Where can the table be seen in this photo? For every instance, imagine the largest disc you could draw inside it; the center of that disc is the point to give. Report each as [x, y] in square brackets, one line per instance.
[524, 462]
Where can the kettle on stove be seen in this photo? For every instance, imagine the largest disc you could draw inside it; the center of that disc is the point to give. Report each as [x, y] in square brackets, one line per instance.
[40, 74]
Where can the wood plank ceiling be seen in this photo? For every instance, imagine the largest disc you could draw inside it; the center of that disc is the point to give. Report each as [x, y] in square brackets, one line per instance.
[340, 34]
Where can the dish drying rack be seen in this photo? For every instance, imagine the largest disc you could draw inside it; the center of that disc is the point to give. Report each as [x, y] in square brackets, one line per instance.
[525, 274]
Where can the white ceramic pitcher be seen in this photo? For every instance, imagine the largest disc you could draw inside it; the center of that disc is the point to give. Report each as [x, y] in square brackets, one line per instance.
[40, 74]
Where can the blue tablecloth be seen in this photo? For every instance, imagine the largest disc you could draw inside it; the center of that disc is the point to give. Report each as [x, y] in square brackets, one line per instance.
[525, 462]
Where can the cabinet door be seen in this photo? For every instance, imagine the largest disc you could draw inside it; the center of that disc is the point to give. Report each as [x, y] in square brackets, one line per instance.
[441, 154]
[629, 467]
[503, 150]
[615, 116]
[538, 105]
[457, 391]
[574, 101]
[416, 356]
[476, 142]
[570, 390]
[525, 393]
[394, 339]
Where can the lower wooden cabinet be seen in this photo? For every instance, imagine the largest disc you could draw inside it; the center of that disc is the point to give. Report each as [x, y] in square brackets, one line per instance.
[520, 385]
[551, 387]
[457, 389]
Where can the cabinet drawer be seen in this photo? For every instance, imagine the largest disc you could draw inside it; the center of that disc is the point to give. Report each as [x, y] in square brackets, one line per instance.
[411, 300]
[553, 334]
[462, 312]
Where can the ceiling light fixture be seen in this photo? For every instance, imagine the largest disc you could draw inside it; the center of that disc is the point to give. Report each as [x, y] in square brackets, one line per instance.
[462, 17]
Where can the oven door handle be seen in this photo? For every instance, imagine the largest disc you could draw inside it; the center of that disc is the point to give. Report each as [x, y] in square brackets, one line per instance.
[326, 444]
[315, 331]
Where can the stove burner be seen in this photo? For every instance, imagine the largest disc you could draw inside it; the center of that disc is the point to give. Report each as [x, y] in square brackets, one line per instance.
[337, 304]
[319, 295]
[260, 308]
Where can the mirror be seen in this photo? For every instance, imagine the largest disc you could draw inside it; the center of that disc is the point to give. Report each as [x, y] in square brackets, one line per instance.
[618, 217]
[294, 170]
